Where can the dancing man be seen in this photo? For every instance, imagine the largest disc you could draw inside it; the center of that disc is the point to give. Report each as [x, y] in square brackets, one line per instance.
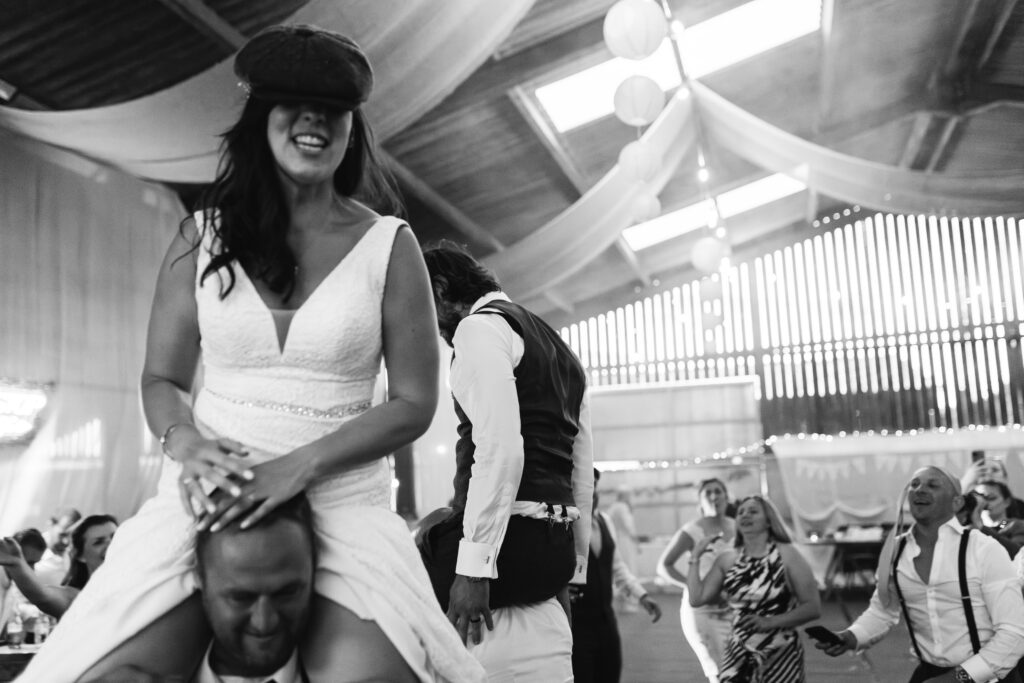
[957, 636]
[519, 528]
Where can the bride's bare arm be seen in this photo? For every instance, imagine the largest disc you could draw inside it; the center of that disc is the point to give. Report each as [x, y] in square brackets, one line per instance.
[172, 352]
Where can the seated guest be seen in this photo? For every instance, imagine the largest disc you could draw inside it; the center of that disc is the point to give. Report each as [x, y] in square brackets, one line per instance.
[919, 577]
[32, 545]
[56, 561]
[89, 542]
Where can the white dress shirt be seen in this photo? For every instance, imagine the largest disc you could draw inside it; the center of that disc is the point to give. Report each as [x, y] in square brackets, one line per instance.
[289, 673]
[937, 613]
[487, 351]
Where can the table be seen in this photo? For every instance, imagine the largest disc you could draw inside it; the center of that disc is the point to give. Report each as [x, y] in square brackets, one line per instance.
[13, 661]
[852, 563]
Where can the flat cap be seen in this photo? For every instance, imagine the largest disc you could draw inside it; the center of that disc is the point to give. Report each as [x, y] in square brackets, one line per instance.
[305, 63]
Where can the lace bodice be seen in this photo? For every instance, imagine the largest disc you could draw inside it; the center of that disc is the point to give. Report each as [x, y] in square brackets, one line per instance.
[273, 399]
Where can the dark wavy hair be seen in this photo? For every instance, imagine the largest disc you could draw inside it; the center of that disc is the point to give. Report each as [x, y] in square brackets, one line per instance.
[78, 573]
[248, 198]
[1003, 489]
[295, 510]
[455, 276]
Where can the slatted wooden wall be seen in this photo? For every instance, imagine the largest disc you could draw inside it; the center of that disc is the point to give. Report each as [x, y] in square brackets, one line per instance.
[890, 322]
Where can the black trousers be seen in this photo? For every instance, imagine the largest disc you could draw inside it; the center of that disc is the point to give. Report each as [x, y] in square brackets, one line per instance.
[537, 560]
[596, 647]
[926, 672]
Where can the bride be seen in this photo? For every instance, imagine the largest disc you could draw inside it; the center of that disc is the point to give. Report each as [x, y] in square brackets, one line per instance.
[291, 292]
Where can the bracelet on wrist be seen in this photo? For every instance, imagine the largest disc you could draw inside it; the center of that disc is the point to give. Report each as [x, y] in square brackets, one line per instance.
[167, 435]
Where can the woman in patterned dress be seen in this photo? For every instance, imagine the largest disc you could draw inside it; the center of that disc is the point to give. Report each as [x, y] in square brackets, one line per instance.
[771, 590]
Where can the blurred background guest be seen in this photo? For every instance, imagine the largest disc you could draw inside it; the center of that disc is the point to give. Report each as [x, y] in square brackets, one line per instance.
[969, 515]
[620, 513]
[771, 589]
[597, 647]
[56, 561]
[32, 545]
[707, 627]
[89, 542]
[985, 469]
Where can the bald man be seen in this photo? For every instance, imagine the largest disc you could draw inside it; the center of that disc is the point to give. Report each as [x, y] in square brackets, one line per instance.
[919, 577]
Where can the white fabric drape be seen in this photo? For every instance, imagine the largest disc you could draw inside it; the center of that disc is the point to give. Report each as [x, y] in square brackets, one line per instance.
[420, 51]
[80, 248]
[851, 179]
[586, 229]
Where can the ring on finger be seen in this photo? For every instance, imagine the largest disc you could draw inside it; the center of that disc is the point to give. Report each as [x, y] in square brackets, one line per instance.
[477, 620]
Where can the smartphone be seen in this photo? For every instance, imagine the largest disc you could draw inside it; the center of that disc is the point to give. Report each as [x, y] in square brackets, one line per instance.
[823, 635]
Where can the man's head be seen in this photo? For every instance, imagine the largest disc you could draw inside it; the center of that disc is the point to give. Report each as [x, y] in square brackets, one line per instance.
[33, 545]
[933, 495]
[58, 534]
[256, 588]
[458, 280]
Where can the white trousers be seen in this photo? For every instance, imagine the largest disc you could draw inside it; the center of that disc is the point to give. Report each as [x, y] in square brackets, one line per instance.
[531, 643]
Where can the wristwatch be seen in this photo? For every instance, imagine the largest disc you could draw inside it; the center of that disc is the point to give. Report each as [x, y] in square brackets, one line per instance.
[962, 675]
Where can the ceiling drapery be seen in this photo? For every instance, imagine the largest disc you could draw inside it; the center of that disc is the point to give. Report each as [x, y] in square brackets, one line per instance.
[582, 232]
[852, 179]
[420, 51]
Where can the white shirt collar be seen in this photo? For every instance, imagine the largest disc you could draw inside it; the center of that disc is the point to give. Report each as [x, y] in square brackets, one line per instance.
[488, 298]
[289, 673]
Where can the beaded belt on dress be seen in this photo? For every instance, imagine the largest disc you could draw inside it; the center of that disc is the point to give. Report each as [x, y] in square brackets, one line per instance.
[343, 410]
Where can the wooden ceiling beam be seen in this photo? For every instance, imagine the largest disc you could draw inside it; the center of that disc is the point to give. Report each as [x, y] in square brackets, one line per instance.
[997, 31]
[441, 207]
[918, 132]
[203, 19]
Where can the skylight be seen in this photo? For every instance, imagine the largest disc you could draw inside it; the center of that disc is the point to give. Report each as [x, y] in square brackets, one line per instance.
[698, 215]
[726, 39]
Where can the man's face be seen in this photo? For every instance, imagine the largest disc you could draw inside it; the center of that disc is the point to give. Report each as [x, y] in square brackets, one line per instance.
[256, 589]
[931, 496]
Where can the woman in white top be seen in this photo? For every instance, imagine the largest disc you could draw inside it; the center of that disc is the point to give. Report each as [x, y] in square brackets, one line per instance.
[706, 628]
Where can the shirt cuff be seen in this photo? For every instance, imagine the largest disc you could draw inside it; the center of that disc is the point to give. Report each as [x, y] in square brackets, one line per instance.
[979, 669]
[860, 635]
[477, 559]
[579, 577]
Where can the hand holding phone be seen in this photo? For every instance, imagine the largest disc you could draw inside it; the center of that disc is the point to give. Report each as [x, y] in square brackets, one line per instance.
[824, 636]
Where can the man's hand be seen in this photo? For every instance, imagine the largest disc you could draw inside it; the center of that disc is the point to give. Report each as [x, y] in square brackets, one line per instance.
[468, 607]
[849, 644]
[652, 607]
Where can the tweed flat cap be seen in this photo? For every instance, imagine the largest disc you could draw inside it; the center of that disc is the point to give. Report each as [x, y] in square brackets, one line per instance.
[305, 63]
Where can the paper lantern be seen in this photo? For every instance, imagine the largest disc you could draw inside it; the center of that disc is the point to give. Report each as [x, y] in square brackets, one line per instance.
[639, 160]
[638, 101]
[646, 206]
[708, 253]
[633, 29]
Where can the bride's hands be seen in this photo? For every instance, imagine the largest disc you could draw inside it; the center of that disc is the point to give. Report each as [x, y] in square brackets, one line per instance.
[273, 483]
[208, 464]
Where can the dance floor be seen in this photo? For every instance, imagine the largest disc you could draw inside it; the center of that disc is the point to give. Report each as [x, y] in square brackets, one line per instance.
[658, 653]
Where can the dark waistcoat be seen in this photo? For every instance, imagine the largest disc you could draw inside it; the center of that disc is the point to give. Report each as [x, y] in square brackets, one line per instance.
[550, 382]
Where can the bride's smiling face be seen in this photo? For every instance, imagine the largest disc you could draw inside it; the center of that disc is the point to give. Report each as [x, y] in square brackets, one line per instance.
[308, 140]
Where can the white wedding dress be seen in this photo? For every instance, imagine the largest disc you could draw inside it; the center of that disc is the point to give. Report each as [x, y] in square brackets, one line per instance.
[274, 398]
